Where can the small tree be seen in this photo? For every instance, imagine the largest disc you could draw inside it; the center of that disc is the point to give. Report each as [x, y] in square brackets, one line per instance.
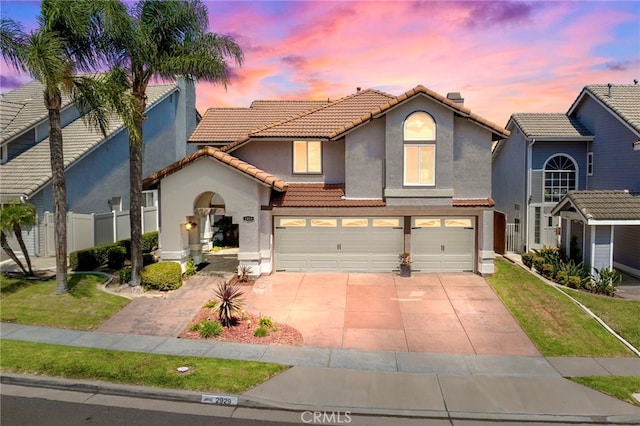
[13, 218]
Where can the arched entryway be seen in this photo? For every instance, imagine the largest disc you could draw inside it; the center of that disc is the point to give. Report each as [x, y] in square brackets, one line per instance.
[213, 227]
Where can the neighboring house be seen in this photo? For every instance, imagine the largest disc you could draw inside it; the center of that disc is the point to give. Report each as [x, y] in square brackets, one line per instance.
[97, 168]
[343, 185]
[590, 153]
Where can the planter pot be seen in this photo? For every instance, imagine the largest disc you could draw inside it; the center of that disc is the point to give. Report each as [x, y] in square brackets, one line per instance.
[405, 270]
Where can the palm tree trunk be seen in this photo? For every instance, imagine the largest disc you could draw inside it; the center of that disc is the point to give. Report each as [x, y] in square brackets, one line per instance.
[7, 249]
[135, 191]
[53, 103]
[18, 231]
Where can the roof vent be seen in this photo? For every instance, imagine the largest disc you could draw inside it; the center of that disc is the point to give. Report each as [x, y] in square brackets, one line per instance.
[358, 89]
[609, 86]
[455, 97]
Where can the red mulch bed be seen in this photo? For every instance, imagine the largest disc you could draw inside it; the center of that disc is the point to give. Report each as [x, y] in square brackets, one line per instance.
[242, 332]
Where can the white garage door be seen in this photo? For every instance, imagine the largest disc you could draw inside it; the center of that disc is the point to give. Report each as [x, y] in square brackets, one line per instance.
[350, 244]
[443, 244]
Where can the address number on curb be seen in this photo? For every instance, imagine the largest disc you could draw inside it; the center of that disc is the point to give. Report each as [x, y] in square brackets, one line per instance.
[219, 399]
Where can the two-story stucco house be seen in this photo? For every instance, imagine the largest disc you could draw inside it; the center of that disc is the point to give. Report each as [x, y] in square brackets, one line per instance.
[573, 178]
[343, 185]
[96, 168]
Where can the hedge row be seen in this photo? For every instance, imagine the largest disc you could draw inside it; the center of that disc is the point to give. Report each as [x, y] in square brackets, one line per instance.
[112, 254]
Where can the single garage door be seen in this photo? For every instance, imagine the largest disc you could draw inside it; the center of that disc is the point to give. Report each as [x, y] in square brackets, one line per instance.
[350, 244]
[443, 244]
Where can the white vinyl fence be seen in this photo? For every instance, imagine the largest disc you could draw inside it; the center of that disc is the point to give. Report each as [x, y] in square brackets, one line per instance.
[514, 240]
[89, 230]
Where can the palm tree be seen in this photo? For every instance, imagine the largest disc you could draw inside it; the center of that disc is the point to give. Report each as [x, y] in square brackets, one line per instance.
[162, 39]
[13, 218]
[63, 45]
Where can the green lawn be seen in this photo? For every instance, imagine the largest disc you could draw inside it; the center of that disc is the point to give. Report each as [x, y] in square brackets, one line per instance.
[553, 322]
[207, 374]
[618, 387]
[33, 303]
[621, 315]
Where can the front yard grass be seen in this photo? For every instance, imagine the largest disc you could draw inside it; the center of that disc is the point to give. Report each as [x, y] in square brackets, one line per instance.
[206, 374]
[619, 314]
[616, 386]
[556, 325]
[83, 308]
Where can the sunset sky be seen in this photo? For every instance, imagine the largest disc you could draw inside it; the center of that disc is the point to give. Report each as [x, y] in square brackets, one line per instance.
[504, 57]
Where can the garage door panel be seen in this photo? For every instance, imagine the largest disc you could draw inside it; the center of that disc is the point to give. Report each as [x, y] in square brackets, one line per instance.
[443, 244]
[354, 247]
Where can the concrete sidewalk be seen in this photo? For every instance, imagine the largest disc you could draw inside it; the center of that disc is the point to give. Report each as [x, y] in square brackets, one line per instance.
[421, 385]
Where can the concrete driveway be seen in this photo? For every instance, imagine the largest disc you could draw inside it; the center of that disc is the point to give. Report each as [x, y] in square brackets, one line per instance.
[437, 313]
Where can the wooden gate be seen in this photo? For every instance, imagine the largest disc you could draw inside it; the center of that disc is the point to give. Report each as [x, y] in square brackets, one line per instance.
[499, 234]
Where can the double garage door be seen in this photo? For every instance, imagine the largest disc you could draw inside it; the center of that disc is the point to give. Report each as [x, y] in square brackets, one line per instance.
[372, 244]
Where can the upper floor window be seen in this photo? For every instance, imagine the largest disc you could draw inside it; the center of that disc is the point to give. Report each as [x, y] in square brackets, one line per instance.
[419, 126]
[419, 150]
[589, 163]
[307, 157]
[559, 177]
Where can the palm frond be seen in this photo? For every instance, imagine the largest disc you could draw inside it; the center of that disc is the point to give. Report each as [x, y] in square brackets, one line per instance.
[12, 42]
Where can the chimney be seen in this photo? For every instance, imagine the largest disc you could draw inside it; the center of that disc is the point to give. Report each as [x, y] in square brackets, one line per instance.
[455, 97]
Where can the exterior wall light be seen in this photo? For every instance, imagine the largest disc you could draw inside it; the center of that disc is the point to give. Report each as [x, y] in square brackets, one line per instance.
[190, 225]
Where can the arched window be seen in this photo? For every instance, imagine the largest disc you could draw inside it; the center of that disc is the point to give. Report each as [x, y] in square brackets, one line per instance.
[419, 126]
[559, 177]
[419, 135]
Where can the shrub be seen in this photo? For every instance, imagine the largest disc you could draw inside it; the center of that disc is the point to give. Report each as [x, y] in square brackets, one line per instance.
[116, 256]
[83, 260]
[149, 241]
[230, 297]
[538, 261]
[161, 276]
[562, 278]
[261, 332]
[527, 259]
[125, 275]
[243, 272]
[574, 281]
[605, 281]
[148, 259]
[208, 328]
[266, 322]
[191, 267]
[548, 271]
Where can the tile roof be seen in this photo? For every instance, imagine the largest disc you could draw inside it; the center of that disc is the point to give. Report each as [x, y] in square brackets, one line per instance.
[292, 106]
[29, 171]
[624, 100]
[549, 125]
[332, 120]
[23, 108]
[224, 158]
[473, 202]
[319, 195]
[603, 205]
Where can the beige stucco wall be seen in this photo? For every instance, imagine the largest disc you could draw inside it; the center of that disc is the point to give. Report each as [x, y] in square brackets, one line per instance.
[243, 197]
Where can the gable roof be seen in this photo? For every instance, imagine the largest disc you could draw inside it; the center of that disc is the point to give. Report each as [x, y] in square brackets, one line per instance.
[606, 207]
[333, 120]
[622, 99]
[27, 173]
[227, 159]
[22, 108]
[550, 126]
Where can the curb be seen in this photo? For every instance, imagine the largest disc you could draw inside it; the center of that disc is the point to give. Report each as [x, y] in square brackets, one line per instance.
[176, 395]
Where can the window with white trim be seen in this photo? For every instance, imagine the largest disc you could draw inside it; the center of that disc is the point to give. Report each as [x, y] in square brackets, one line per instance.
[589, 163]
[150, 198]
[3, 153]
[307, 157]
[419, 133]
[559, 177]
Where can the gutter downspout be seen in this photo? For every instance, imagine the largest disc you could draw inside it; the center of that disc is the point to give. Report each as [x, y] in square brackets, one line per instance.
[528, 196]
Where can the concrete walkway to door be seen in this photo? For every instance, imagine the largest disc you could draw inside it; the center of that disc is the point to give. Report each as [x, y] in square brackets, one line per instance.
[437, 313]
